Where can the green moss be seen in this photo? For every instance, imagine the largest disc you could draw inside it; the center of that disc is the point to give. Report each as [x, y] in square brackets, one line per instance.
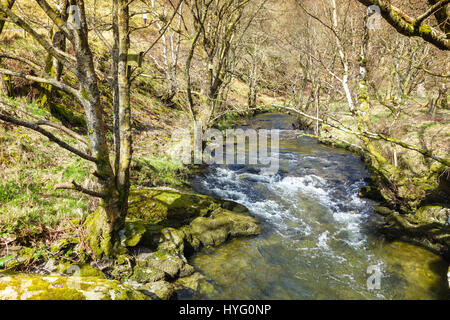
[85, 93]
[168, 208]
[63, 113]
[36, 287]
[80, 270]
[132, 233]
[98, 233]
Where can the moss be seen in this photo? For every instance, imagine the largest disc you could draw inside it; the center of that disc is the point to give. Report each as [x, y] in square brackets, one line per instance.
[161, 290]
[382, 210]
[64, 114]
[85, 93]
[221, 226]
[35, 287]
[80, 270]
[168, 208]
[98, 233]
[132, 233]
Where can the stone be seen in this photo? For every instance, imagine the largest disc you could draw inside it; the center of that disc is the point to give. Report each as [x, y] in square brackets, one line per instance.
[174, 219]
[384, 211]
[161, 290]
[221, 226]
[433, 213]
[79, 270]
[194, 285]
[17, 258]
[147, 274]
[131, 235]
[166, 262]
[23, 286]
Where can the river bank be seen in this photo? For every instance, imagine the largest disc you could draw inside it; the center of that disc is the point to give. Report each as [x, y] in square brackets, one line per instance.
[164, 227]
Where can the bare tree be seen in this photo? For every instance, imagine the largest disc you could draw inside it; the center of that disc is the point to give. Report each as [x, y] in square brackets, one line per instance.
[113, 179]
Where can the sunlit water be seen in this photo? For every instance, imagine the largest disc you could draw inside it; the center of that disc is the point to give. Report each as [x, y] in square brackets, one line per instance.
[319, 237]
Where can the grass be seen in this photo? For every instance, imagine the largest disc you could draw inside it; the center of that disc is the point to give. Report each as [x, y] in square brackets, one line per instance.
[30, 167]
[161, 171]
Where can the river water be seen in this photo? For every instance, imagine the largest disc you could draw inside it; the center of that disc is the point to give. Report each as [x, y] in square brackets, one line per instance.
[319, 238]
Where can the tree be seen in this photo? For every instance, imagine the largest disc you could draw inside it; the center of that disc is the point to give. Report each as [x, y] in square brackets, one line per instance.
[112, 178]
[409, 26]
[4, 79]
[213, 32]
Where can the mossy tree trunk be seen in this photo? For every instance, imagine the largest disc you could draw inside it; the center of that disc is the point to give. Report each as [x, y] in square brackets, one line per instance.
[124, 153]
[4, 79]
[53, 67]
[411, 27]
[112, 178]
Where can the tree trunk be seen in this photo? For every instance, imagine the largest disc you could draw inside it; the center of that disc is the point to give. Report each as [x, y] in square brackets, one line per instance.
[123, 171]
[4, 80]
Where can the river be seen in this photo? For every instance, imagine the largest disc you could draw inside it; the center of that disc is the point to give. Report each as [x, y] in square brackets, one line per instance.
[319, 239]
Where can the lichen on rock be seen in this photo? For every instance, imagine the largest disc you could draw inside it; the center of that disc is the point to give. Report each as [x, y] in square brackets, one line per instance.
[23, 286]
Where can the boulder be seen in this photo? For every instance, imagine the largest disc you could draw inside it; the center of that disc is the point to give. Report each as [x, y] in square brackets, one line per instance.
[193, 286]
[220, 226]
[23, 286]
[170, 264]
[173, 219]
[147, 274]
[433, 213]
[161, 290]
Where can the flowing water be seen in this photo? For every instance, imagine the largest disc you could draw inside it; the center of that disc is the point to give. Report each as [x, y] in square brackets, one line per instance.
[319, 238]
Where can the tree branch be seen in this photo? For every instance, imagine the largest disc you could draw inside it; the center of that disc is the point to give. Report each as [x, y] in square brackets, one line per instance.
[58, 54]
[77, 187]
[371, 135]
[405, 25]
[53, 82]
[36, 127]
[66, 130]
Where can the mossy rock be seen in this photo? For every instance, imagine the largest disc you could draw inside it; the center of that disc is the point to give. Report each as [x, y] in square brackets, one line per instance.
[433, 213]
[17, 258]
[172, 265]
[132, 233]
[23, 286]
[370, 192]
[221, 226]
[168, 208]
[79, 270]
[161, 290]
[193, 286]
[166, 213]
[144, 274]
[382, 210]
[171, 208]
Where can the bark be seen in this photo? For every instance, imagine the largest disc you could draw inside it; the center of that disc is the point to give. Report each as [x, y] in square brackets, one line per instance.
[81, 65]
[408, 26]
[125, 151]
[343, 59]
[4, 81]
